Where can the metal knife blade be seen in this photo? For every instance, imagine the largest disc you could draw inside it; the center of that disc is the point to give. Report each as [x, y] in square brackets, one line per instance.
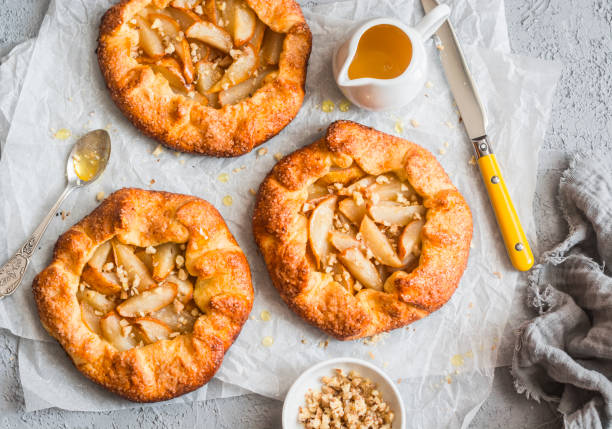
[460, 79]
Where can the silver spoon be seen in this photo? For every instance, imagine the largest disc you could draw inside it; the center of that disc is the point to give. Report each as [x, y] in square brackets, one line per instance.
[86, 162]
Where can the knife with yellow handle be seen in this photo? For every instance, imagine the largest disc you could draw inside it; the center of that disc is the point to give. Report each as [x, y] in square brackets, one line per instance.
[475, 120]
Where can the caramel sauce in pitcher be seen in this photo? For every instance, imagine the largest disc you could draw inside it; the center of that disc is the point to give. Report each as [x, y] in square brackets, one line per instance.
[384, 52]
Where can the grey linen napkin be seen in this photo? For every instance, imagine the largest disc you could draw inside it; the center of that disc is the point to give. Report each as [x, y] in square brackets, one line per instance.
[565, 354]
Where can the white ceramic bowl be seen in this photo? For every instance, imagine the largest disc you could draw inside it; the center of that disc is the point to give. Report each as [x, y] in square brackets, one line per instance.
[311, 379]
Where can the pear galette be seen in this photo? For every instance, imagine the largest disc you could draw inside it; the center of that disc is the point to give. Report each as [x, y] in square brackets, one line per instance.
[362, 232]
[146, 294]
[216, 77]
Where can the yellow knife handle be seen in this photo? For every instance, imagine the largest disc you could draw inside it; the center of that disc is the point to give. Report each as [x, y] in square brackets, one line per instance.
[509, 223]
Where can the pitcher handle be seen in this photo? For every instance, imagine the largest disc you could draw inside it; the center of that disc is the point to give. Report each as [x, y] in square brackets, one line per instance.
[432, 21]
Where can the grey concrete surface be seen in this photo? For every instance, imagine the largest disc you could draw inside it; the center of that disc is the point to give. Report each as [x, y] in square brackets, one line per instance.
[576, 32]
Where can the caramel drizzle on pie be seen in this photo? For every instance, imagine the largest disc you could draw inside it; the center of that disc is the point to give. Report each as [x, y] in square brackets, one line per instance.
[363, 228]
[215, 52]
[133, 296]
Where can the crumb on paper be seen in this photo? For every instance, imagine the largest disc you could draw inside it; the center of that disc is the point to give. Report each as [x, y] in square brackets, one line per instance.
[152, 182]
[429, 84]
[497, 274]
[449, 124]
[267, 341]
[440, 47]
[414, 123]
[323, 344]
[399, 380]
[449, 379]
[100, 196]
[252, 191]
[328, 106]
[223, 177]
[441, 151]
[372, 356]
[278, 156]
[303, 341]
[344, 106]
[471, 305]
[399, 127]
[228, 200]
[457, 360]
[446, 144]
[374, 339]
[62, 134]
[158, 150]
[262, 151]
[265, 316]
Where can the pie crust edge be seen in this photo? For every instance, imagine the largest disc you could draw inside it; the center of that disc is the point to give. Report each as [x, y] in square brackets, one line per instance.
[281, 233]
[164, 369]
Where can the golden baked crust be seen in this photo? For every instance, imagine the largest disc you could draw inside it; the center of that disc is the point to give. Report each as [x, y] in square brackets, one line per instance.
[166, 368]
[281, 232]
[185, 124]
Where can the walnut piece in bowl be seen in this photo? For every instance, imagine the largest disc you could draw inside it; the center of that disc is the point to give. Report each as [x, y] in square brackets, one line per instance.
[343, 393]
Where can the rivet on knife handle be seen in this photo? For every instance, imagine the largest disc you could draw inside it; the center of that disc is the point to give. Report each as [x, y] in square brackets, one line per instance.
[509, 223]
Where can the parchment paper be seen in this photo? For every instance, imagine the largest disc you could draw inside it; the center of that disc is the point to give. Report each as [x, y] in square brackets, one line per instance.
[444, 361]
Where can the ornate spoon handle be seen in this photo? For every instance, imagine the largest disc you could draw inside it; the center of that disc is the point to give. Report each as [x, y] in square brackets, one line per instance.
[13, 271]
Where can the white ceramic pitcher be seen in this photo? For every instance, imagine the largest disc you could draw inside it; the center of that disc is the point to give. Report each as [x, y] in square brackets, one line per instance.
[381, 94]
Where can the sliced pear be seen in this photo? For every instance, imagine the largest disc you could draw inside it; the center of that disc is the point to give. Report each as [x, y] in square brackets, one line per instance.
[89, 317]
[316, 191]
[166, 25]
[378, 243]
[244, 23]
[394, 213]
[146, 258]
[349, 208]
[113, 332]
[210, 11]
[102, 282]
[240, 70]
[346, 279]
[319, 227]
[211, 35]
[185, 17]
[100, 255]
[271, 47]
[163, 260]
[184, 4]
[258, 35]
[148, 301]
[182, 322]
[152, 330]
[342, 241]
[149, 40]
[183, 51]
[344, 176]
[208, 74]
[184, 288]
[358, 186]
[170, 69]
[226, 14]
[244, 89]
[97, 300]
[125, 257]
[411, 236]
[387, 191]
[361, 268]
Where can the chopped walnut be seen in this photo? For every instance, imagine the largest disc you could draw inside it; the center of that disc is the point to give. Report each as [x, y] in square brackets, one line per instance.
[345, 401]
